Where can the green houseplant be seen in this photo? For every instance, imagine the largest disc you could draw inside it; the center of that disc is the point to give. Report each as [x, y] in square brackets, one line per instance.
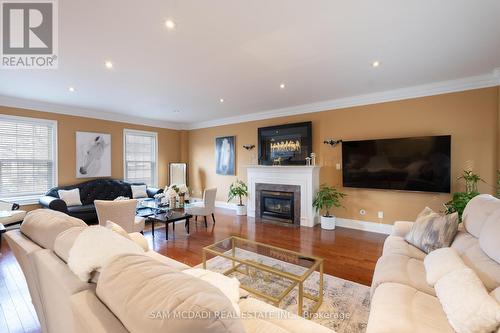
[460, 199]
[498, 184]
[326, 198]
[239, 190]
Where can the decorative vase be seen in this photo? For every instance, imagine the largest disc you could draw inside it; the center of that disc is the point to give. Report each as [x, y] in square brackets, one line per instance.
[173, 201]
[182, 199]
[241, 210]
[328, 222]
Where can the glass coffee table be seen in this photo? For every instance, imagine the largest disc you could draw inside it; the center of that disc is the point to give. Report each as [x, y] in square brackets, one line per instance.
[269, 272]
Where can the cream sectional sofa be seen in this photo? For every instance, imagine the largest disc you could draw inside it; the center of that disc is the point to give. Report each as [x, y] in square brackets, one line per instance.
[403, 302]
[65, 304]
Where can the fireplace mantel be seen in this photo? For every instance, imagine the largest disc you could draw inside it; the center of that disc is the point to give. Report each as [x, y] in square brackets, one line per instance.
[307, 177]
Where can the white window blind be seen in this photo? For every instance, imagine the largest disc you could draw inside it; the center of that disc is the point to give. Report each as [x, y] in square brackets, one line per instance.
[28, 165]
[140, 157]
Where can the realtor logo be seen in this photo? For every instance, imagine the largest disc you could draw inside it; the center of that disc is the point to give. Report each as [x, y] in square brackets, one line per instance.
[29, 34]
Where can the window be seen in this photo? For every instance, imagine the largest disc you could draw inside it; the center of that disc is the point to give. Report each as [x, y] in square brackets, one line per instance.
[28, 158]
[141, 149]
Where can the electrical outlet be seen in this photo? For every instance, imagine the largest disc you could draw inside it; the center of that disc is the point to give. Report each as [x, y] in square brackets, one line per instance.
[380, 214]
[362, 212]
[338, 166]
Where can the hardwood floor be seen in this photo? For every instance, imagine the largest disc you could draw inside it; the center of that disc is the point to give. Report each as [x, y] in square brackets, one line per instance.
[349, 254]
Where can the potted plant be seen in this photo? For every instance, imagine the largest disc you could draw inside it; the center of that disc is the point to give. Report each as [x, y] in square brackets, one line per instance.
[498, 184]
[471, 179]
[460, 199]
[327, 198]
[238, 189]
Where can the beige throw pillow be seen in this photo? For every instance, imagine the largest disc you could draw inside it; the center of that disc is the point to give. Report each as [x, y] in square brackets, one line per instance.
[432, 230]
[148, 296]
[230, 287]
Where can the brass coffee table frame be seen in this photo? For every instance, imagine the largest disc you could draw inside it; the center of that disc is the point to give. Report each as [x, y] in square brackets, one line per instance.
[296, 280]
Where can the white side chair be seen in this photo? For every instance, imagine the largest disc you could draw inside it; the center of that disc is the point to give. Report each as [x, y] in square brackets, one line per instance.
[121, 212]
[10, 213]
[204, 208]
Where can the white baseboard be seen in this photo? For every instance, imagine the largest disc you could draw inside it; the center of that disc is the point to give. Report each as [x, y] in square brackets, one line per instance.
[341, 222]
[365, 225]
[226, 205]
[220, 204]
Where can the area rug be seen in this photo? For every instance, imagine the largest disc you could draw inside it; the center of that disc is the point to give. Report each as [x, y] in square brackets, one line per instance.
[346, 304]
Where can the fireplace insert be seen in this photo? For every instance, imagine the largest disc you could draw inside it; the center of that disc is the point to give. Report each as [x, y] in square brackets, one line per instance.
[277, 205]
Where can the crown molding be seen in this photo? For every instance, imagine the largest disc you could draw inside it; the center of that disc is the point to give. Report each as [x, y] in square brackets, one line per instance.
[87, 113]
[474, 82]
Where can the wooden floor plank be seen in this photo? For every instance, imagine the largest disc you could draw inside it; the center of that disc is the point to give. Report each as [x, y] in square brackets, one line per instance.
[17, 294]
[9, 310]
[3, 322]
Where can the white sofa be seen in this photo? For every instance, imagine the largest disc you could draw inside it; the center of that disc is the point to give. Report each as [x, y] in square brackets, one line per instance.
[403, 302]
[65, 304]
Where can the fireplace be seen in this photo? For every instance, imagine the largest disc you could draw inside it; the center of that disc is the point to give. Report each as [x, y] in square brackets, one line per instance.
[277, 203]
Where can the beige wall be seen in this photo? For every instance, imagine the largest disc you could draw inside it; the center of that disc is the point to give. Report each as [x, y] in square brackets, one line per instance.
[67, 126]
[470, 117]
[498, 131]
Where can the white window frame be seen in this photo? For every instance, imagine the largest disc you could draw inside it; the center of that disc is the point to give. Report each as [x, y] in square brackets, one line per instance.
[146, 133]
[33, 199]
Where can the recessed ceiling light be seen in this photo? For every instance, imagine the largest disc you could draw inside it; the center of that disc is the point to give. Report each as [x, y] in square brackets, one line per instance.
[108, 64]
[170, 24]
[376, 63]
[221, 100]
[71, 89]
[282, 86]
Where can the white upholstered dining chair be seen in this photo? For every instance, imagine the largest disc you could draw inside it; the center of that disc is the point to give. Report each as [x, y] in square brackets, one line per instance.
[121, 212]
[204, 208]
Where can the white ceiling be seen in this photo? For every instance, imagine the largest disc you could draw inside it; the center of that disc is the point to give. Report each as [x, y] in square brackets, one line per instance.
[242, 50]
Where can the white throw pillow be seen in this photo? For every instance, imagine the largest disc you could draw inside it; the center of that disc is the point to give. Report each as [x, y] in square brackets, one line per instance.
[139, 191]
[70, 197]
[135, 237]
[94, 247]
[496, 294]
[140, 240]
[230, 287]
[440, 262]
[117, 228]
[467, 304]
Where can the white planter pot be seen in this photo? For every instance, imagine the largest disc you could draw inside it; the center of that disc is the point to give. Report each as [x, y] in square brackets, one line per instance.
[241, 210]
[328, 223]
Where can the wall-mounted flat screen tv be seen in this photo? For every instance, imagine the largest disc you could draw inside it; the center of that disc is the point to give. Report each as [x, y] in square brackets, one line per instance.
[410, 164]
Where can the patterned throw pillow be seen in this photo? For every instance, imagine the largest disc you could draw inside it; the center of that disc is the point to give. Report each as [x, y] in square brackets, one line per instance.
[432, 230]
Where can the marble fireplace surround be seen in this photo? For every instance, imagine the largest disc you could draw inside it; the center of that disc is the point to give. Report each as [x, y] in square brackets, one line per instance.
[295, 189]
[306, 177]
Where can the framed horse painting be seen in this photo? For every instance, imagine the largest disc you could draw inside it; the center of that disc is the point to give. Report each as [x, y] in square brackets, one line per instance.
[93, 155]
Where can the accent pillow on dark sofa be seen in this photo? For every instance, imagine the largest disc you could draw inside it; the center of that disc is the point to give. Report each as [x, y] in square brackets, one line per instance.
[98, 189]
